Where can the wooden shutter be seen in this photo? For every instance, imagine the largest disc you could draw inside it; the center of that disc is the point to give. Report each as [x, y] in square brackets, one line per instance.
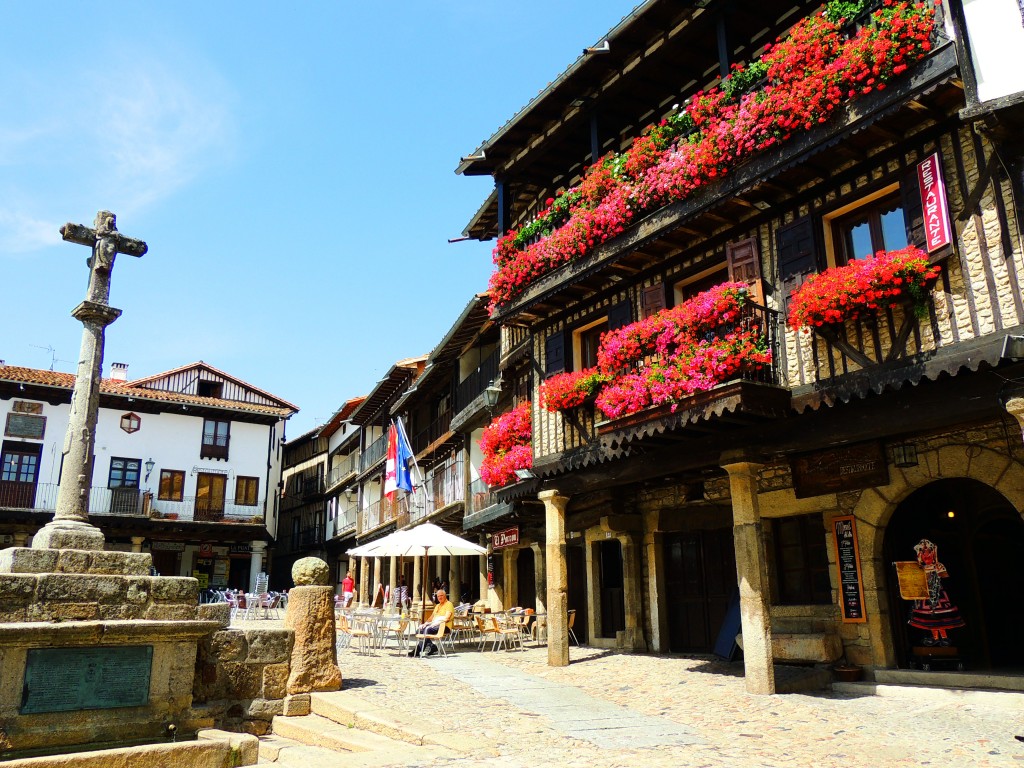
[652, 300]
[798, 254]
[620, 314]
[913, 210]
[745, 266]
[554, 353]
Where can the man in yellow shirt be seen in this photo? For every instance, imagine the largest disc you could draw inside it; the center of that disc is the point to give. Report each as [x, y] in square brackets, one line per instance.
[444, 613]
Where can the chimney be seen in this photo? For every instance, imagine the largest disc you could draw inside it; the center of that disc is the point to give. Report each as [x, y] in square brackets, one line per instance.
[119, 371]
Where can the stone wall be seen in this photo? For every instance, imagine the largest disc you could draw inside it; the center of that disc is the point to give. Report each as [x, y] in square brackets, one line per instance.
[241, 676]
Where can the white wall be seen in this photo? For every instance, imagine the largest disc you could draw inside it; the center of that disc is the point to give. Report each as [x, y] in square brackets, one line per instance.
[172, 441]
[995, 33]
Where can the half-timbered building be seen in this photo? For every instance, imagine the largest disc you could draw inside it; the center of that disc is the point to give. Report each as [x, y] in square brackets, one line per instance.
[788, 476]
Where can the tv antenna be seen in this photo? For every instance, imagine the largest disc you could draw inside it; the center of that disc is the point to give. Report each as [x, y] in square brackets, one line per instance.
[53, 355]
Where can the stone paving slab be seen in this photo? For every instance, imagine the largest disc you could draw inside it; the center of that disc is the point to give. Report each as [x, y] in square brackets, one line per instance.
[583, 717]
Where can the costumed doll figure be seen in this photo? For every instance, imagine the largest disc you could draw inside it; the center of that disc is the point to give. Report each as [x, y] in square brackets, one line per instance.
[936, 614]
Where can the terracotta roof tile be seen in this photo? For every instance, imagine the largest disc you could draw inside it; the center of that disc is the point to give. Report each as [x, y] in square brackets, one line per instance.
[62, 380]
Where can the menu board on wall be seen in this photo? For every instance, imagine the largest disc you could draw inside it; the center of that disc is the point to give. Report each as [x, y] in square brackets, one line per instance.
[851, 584]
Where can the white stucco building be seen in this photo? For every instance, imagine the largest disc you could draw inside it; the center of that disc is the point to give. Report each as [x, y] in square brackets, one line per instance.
[187, 467]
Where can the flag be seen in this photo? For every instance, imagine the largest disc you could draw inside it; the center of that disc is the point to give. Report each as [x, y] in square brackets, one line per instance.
[397, 474]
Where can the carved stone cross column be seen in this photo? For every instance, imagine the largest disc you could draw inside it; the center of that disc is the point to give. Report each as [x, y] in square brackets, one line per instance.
[70, 527]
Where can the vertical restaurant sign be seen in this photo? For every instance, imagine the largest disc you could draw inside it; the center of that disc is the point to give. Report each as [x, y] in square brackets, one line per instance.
[851, 585]
[937, 230]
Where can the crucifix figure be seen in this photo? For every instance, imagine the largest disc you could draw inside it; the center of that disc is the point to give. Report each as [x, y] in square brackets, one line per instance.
[70, 527]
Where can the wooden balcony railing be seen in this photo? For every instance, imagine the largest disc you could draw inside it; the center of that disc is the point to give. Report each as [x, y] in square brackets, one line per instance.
[347, 466]
[444, 487]
[437, 429]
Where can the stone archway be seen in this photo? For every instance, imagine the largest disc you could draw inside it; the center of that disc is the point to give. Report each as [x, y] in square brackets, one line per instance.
[876, 506]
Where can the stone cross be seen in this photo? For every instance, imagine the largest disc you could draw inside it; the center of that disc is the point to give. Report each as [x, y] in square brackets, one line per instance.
[70, 527]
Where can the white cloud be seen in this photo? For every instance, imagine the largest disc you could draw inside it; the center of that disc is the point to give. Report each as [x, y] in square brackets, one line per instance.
[124, 137]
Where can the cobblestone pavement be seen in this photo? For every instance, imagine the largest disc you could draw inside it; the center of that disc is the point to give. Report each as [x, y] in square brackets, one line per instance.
[615, 709]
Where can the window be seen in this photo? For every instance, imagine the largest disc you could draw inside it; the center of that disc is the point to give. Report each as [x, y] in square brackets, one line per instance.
[20, 464]
[691, 286]
[216, 435]
[247, 490]
[172, 485]
[587, 343]
[124, 473]
[876, 226]
[801, 561]
[206, 388]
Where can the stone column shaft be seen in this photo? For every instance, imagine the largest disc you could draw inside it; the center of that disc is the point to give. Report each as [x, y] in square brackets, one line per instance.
[256, 562]
[752, 573]
[557, 578]
[540, 576]
[364, 580]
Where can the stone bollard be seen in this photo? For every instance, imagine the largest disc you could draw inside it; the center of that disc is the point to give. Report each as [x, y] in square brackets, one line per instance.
[310, 615]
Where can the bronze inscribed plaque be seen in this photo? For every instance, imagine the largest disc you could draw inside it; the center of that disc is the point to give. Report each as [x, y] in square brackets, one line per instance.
[69, 679]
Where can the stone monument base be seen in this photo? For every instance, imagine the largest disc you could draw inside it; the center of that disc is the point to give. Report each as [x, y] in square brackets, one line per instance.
[94, 649]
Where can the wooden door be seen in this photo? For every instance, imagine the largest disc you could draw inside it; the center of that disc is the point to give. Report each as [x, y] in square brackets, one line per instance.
[19, 473]
[210, 490]
[576, 571]
[745, 266]
[613, 600]
[526, 578]
[700, 577]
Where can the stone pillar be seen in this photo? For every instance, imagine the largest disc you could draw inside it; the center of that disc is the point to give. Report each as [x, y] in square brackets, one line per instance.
[393, 579]
[364, 580]
[454, 575]
[557, 578]
[752, 573]
[633, 591]
[137, 542]
[377, 580]
[540, 577]
[655, 582]
[256, 562]
[310, 615]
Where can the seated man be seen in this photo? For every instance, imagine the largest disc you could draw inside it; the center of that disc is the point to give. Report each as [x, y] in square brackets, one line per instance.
[444, 613]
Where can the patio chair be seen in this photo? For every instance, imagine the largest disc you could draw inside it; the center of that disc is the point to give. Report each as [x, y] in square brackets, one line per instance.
[539, 628]
[440, 639]
[361, 636]
[399, 631]
[511, 634]
[487, 626]
[572, 620]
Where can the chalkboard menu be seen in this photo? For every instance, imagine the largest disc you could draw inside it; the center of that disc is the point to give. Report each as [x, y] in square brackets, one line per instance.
[68, 679]
[851, 585]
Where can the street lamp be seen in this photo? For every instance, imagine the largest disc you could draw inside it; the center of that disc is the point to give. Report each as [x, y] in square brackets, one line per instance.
[149, 468]
[491, 395]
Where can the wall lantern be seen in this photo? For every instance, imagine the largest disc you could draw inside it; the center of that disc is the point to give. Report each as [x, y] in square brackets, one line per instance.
[149, 468]
[904, 455]
[491, 395]
[130, 422]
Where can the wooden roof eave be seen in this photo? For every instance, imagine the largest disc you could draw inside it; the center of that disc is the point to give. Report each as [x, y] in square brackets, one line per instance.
[927, 75]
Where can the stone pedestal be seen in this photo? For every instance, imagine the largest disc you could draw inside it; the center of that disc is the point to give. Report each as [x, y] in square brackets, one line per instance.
[310, 615]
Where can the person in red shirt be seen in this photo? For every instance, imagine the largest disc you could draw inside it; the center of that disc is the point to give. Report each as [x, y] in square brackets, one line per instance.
[348, 586]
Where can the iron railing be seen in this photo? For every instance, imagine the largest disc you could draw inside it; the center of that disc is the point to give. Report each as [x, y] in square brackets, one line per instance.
[373, 453]
[346, 520]
[381, 512]
[445, 486]
[476, 382]
[131, 502]
[348, 465]
[480, 497]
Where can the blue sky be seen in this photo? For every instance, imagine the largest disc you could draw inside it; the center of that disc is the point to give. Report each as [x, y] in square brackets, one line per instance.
[292, 170]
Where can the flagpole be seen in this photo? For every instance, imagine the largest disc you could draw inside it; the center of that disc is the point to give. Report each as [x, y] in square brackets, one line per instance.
[412, 455]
